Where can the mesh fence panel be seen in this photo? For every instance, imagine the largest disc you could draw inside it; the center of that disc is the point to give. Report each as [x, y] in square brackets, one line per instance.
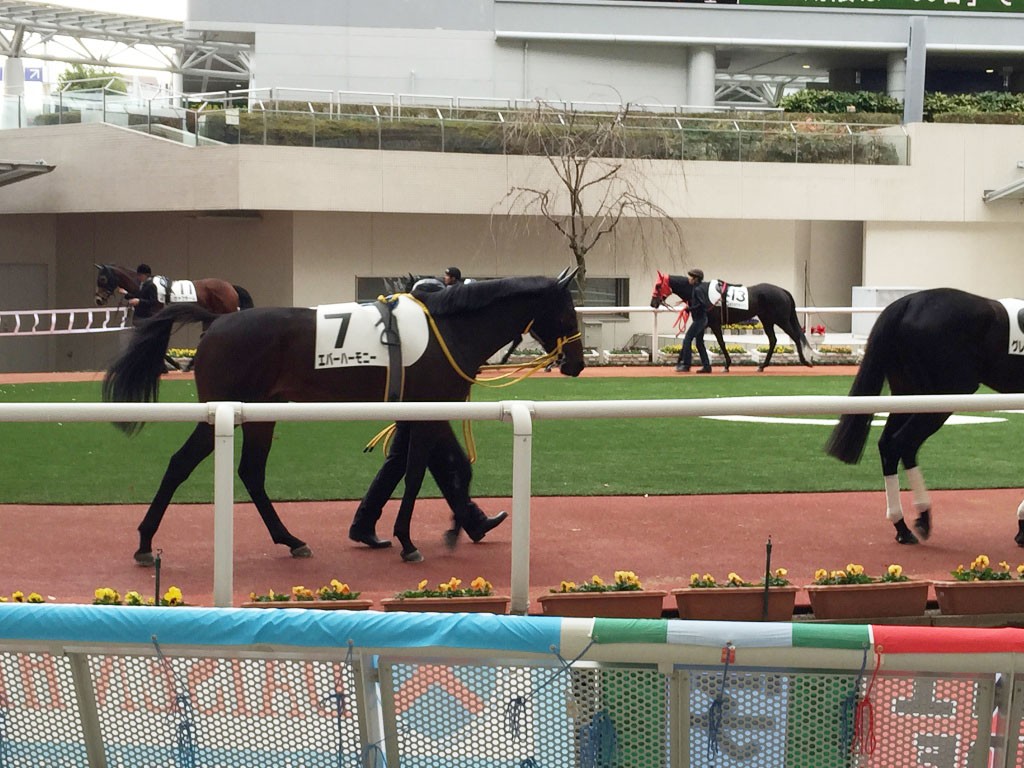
[226, 712]
[40, 723]
[478, 716]
[240, 712]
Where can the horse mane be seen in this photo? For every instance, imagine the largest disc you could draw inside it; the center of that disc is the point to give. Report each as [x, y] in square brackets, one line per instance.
[468, 297]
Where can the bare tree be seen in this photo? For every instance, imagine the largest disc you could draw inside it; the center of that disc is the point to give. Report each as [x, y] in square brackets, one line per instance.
[597, 162]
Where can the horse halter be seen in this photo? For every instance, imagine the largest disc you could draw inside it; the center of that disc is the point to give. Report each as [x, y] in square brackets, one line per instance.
[662, 289]
[557, 355]
[109, 284]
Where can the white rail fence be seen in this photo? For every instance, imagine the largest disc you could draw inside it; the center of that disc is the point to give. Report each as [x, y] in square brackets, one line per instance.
[49, 322]
[225, 416]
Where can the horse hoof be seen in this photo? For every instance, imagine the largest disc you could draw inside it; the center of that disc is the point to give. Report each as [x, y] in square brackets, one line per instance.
[302, 551]
[412, 557]
[760, 369]
[903, 534]
[923, 524]
[144, 559]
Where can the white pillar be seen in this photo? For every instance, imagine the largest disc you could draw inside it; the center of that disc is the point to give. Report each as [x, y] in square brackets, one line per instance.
[896, 75]
[14, 76]
[700, 76]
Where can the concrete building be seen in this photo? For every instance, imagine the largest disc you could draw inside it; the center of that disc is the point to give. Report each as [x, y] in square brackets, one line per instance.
[302, 226]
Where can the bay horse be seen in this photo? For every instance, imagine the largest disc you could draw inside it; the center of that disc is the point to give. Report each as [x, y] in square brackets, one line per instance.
[933, 342]
[217, 296]
[771, 304]
[267, 355]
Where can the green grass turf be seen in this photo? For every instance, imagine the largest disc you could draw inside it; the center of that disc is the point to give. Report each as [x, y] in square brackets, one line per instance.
[94, 463]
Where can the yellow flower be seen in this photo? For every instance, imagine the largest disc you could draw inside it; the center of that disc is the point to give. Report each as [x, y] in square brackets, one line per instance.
[1020, 570]
[694, 578]
[820, 574]
[302, 594]
[980, 562]
[568, 586]
[734, 578]
[454, 583]
[35, 597]
[627, 578]
[134, 598]
[422, 585]
[173, 596]
[479, 583]
[1004, 565]
[854, 570]
[597, 581]
[895, 570]
[444, 587]
[19, 596]
[709, 578]
[781, 572]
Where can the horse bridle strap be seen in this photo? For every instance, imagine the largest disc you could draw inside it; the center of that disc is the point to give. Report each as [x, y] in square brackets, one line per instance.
[395, 379]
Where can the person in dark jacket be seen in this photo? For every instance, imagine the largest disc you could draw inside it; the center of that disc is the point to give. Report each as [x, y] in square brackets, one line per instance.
[452, 276]
[699, 306]
[144, 302]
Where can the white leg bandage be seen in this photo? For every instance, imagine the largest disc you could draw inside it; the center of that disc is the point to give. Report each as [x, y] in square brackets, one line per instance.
[893, 509]
[921, 499]
[1020, 511]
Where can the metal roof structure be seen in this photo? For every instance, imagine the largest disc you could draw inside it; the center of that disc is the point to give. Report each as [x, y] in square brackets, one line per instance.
[10, 172]
[58, 33]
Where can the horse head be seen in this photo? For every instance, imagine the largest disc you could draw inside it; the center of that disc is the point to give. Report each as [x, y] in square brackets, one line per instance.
[557, 328]
[106, 283]
[662, 290]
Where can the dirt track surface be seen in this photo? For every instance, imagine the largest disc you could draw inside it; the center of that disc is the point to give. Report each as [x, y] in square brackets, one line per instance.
[663, 538]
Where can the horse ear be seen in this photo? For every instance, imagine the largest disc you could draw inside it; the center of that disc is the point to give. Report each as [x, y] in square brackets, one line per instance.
[563, 274]
[567, 277]
[661, 277]
[98, 266]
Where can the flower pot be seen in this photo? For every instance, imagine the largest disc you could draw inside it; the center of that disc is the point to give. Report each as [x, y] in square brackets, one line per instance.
[489, 604]
[735, 603]
[868, 601]
[636, 604]
[318, 605]
[974, 597]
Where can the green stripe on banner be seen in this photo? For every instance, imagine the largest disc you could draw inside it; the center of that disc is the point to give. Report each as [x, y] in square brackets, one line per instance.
[849, 636]
[629, 631]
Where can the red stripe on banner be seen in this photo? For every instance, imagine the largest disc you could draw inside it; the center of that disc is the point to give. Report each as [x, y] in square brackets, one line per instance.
[896, 639]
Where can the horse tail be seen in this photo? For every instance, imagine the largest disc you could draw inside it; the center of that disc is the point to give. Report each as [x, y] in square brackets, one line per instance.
[134, 377]
[847, 440]
[244, 298]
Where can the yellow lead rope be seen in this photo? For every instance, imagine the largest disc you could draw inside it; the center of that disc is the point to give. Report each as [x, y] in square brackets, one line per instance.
[495, 382]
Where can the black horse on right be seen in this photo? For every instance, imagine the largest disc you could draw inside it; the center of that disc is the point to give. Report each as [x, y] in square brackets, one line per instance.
[769, 303]
[941, 341]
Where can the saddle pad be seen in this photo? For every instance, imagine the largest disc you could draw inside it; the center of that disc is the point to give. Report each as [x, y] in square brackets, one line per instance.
[174, 292]
[1015, 315]
[349, 335]
[736, 296]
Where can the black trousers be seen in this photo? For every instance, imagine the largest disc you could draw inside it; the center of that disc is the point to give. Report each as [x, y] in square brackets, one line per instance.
[695, 335]
[447, 462]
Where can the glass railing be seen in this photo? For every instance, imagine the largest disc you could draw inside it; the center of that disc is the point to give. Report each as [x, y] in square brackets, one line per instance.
[450, 125]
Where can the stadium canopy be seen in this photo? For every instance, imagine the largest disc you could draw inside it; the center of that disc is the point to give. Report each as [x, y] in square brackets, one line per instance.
[10, 172]
[205, 60]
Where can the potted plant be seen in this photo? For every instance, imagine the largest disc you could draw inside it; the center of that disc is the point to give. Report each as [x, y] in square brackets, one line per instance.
[771, 599]
[623, 598]
[449, 597]
[331, 597]
[853, 594]
[982, 589]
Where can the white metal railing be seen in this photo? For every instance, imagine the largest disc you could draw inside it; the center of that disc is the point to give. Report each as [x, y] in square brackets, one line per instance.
[44, 322]
[225, 416]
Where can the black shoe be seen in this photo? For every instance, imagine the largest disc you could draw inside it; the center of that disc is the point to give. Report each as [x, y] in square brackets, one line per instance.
[682, 368]
[485, 526]
[705, 370]
[451, 537]
[369, 539]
